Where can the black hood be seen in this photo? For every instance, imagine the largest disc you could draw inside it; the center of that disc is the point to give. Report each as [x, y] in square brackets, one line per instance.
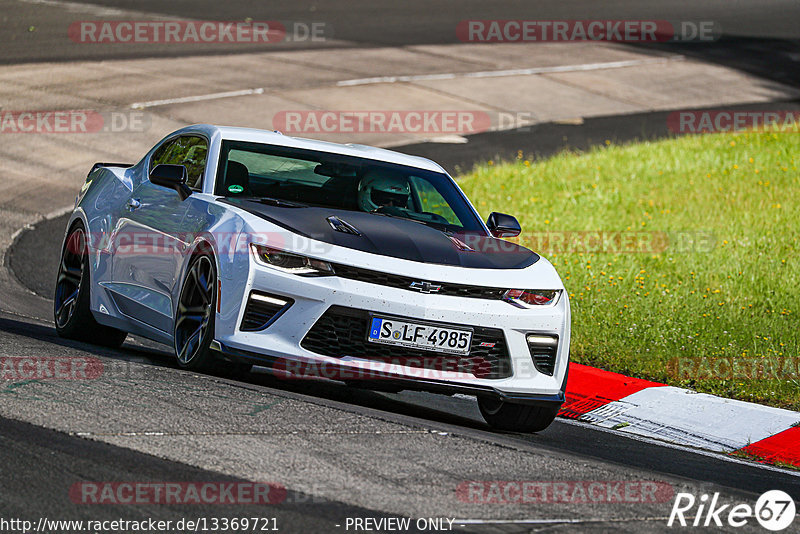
[390, 236]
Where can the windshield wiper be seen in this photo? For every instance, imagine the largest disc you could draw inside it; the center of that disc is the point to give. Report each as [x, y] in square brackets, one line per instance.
[431, 224]
[280, 203]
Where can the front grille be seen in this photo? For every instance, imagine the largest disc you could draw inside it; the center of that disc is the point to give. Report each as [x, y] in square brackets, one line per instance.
[404, 282]
[342, 332]
[261, 310]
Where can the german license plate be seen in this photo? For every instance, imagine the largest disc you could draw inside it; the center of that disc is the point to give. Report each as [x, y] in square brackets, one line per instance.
[399, 332]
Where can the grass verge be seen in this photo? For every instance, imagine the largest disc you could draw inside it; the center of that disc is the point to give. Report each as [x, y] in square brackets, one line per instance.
[681, 256]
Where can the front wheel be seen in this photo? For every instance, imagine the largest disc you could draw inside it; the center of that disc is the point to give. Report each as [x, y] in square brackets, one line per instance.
[510, 417]
[194, 318]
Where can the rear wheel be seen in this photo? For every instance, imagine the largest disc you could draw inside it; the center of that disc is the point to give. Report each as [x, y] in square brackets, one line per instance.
[71, 313]
[512, 417]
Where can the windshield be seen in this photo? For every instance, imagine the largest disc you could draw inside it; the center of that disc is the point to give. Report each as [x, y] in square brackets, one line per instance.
[291, 176]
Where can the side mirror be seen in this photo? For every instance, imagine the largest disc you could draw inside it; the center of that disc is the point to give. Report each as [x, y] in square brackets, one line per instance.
[171, 177]
[502, 225]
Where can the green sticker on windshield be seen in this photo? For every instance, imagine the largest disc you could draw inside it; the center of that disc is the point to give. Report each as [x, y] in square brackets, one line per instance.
[235, 189]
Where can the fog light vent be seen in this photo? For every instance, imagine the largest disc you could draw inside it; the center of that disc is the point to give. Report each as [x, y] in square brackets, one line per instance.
[543, 352]
[262, 310]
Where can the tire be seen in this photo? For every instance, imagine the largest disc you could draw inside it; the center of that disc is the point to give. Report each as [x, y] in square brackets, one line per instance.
[194, 318]
[71, 313]
[510, 417]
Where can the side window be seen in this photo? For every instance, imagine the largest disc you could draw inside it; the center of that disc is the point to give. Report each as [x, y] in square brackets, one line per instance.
[431, 201]
[190, 151]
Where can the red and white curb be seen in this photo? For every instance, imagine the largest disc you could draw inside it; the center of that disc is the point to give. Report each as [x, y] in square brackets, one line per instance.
[657, 411]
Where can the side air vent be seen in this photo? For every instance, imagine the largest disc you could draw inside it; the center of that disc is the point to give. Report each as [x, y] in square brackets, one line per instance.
[262, 310]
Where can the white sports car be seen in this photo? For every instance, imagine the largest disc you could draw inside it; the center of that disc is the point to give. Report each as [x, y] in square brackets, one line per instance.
[316, 260]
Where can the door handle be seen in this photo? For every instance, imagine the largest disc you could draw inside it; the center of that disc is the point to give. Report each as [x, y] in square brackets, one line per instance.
[133, 204]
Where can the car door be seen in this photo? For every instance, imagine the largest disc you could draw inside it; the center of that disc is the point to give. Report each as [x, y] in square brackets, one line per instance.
[151, 240]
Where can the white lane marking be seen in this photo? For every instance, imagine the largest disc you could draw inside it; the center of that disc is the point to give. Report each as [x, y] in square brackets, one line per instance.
[668, 445]
[510, 72]
[449, 139]
[60, 212]
[197, 98]
[696, 419]
[96, 10]
[12, 242]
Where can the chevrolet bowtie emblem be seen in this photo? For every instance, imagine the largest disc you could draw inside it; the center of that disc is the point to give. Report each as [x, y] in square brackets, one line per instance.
[426, 287]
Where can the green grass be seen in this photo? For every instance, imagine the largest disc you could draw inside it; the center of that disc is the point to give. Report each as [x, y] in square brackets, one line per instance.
[725, 283]
[745, 455]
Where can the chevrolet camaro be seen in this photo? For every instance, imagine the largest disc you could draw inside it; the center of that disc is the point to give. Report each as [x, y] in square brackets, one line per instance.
[240, 247]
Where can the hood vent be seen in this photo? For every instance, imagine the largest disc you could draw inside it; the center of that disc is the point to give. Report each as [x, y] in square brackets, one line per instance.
[342, 226]
[460, 245]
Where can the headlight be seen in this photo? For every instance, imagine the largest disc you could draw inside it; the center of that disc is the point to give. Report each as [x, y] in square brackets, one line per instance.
[528, 298]
[289, 262]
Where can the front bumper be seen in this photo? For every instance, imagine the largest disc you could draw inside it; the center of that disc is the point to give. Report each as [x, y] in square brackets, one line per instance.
[384, 381]
[310, 298]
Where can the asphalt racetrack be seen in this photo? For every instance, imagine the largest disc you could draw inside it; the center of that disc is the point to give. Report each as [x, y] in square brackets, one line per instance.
[335, 452]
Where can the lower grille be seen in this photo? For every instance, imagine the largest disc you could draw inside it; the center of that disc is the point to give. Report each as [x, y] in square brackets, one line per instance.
[342, 332]
[262, 309]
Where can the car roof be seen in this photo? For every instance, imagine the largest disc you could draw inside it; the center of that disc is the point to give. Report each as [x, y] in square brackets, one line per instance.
[276, 138]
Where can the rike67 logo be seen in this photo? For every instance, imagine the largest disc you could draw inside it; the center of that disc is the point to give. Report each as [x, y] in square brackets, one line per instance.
[774, 510]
